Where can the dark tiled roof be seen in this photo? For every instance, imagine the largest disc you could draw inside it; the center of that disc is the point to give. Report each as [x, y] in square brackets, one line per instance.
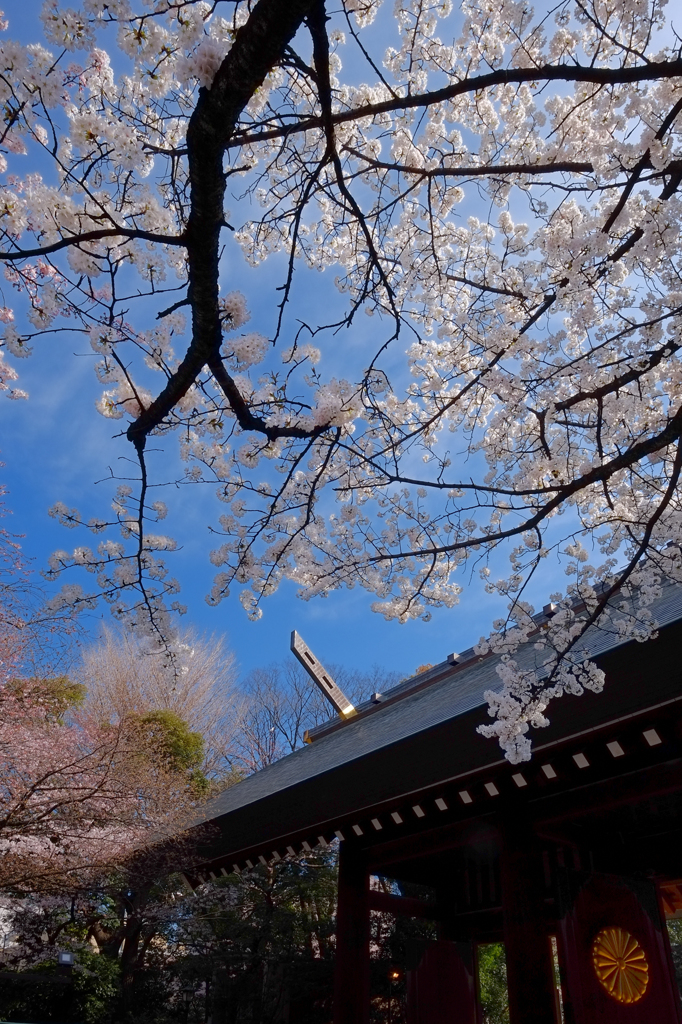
[441, 694]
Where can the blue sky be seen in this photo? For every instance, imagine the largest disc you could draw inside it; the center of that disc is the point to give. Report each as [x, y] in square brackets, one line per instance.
[55, 447]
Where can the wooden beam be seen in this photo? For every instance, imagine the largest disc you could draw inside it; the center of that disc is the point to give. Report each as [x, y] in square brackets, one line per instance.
[530, 976]
[351, 969]
[638, 786]
[417, 845]
[402, 906]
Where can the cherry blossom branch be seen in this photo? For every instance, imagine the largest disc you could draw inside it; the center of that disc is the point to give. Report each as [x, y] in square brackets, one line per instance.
[669, 435]
[243, 414]
[258, 46]
[91, 236]
[476, 170]
[641, 549]
[640, 166]
[655, 71]
[615, 385]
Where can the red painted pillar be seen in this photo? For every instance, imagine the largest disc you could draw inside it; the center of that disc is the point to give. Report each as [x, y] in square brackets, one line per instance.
[442, 989]
[530, 975]
[351, 972]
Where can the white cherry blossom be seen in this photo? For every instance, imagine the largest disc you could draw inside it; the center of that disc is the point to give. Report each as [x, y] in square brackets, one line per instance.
[497, 187]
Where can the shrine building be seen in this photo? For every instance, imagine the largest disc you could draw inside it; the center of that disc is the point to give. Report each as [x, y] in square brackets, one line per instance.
[573, 859]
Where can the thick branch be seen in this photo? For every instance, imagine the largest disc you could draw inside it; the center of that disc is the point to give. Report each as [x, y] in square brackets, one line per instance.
[642, 548]
[669, 435]
[651, 72]
[92, 236]
[245, 418]
[477, 170]
[619, 382]
[259, 45]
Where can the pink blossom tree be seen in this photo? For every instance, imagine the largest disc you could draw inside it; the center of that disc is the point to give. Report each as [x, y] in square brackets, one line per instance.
[81, 794]
[497, 186]
[79, 798]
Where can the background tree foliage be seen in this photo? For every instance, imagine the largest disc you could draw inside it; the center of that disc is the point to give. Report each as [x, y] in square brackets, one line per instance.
[250, 949]
[280, 703]
[256, 948]
[492, 972]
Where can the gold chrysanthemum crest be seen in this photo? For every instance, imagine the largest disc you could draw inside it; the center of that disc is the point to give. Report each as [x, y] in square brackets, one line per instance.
[620, 965]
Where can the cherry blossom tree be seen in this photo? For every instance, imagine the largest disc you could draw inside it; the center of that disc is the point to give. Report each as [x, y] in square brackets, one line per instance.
[79, 798]
[98, 773]
[13, 585]
[497, 185]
